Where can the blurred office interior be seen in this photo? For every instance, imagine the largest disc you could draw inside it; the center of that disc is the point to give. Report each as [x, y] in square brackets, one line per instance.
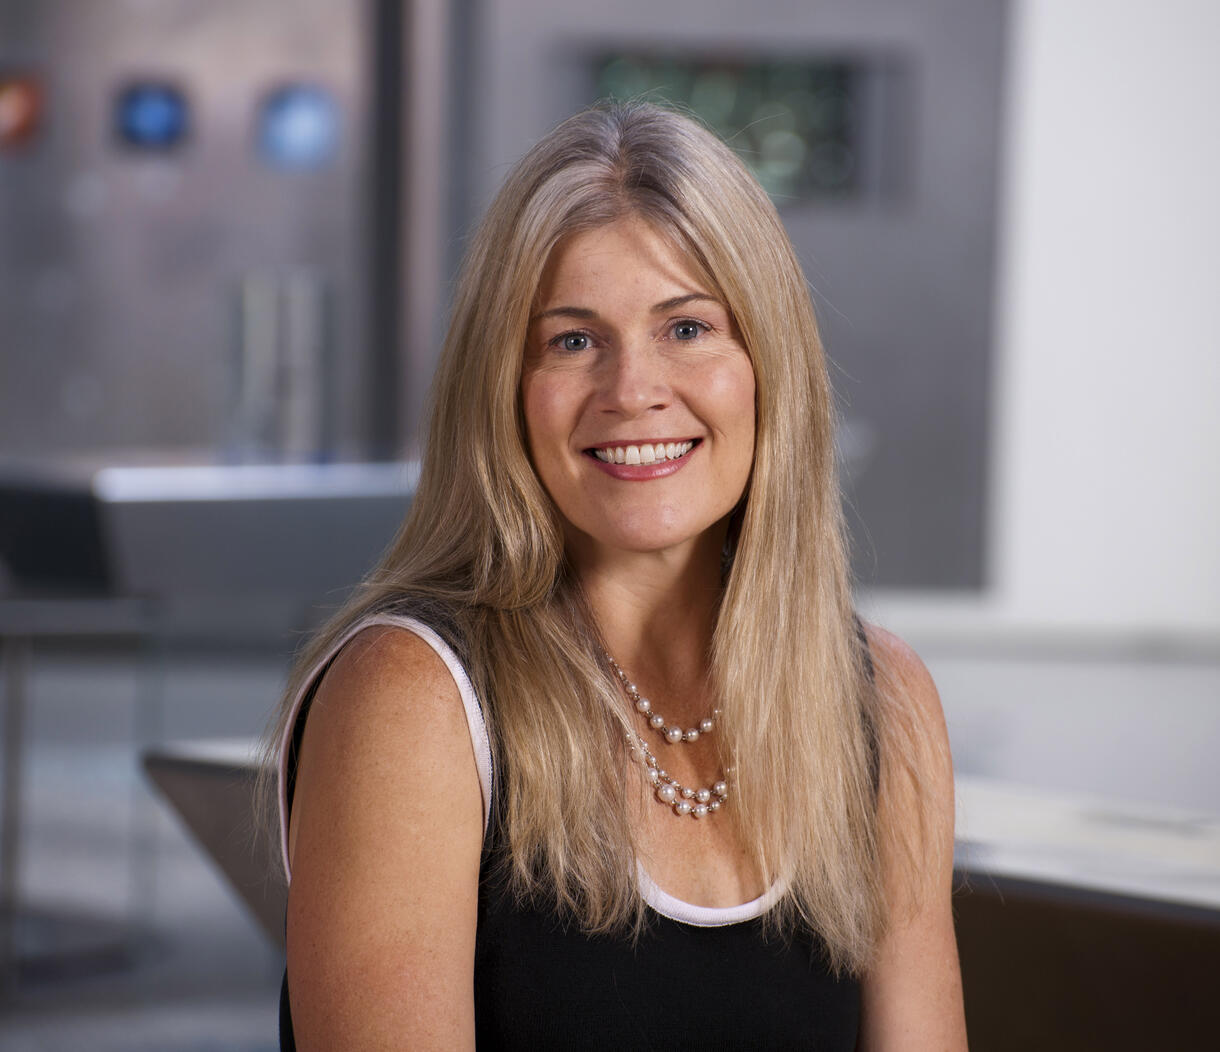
[227, 234]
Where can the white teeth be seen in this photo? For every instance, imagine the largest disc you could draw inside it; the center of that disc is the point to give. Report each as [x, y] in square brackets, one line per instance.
[644, 454]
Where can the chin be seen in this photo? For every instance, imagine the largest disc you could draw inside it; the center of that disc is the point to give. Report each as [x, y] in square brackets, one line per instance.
[645, 538]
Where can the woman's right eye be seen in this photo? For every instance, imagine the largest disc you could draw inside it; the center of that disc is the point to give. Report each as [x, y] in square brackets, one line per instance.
[573, 341]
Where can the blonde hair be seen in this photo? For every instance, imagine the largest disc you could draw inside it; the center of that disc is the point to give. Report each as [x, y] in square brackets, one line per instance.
[482, 549]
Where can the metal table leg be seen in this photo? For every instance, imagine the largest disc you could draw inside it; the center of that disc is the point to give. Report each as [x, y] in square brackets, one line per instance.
[15, 651]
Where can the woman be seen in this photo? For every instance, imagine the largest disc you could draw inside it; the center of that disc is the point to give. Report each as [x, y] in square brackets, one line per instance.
[600, 753]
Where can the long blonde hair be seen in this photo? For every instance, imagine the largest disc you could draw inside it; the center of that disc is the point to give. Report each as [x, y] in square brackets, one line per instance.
[482, 547]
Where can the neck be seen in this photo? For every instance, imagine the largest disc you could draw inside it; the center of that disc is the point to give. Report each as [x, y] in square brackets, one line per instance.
[657, 610]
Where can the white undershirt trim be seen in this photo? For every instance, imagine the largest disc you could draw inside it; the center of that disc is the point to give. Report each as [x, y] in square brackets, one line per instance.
[470, 703]
[704, 916]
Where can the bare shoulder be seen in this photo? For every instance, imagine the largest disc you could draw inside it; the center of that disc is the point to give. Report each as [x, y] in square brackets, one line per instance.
[916, 770]
[911, 994]
[385, 841]
[380, 665]
[386, 710]
[903, 671]
[911, 709]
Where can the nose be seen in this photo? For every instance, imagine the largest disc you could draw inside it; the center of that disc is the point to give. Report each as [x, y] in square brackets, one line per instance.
[633, 381]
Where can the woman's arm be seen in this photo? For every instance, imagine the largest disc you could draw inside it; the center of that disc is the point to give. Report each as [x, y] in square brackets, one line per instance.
[912, 993]
[384, 842]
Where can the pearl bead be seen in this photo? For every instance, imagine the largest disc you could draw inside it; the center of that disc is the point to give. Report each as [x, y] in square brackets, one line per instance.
[691, 735]
[662, 773]
[673, 735]
[653, 776]
[714, 805]
[720, 789]
[687, 793]
[682, 807]
[666, 794]
[699, 810]
[657, 722]
[706, 726]
[703, 795]
[643, 705]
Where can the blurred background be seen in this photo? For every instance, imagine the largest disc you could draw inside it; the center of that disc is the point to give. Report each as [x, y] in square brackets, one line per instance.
[227, 234]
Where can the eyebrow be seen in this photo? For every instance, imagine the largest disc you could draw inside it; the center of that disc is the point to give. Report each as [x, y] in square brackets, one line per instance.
[659, 308]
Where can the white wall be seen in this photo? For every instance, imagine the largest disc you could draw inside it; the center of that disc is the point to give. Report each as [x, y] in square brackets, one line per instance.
[1107, 440]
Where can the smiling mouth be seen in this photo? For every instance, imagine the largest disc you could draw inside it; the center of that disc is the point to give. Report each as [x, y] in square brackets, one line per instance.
[643, 453]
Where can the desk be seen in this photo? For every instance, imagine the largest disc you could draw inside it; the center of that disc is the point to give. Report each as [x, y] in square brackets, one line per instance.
[210, 785]
[1085, 923]
[1152, 855]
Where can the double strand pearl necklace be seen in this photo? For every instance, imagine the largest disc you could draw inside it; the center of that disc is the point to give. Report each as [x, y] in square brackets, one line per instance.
[698, 803]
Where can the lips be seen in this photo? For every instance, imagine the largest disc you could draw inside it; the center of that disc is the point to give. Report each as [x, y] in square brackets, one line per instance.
[642, 452]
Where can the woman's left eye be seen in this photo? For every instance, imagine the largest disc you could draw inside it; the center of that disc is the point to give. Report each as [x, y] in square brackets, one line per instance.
[686, 330]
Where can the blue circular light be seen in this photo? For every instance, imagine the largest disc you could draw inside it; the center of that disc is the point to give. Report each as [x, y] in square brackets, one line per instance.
[151, 116]
[299, 127]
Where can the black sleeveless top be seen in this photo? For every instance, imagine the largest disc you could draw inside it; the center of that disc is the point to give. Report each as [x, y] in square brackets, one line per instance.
[541, 983]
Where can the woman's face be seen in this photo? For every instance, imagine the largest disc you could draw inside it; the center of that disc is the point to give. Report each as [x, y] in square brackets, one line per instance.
[638, 394]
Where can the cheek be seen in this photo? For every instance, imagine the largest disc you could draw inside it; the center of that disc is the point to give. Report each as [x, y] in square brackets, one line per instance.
[734, 392]
[747, 396]
[547, 412]
[534, 407]
[738, 399]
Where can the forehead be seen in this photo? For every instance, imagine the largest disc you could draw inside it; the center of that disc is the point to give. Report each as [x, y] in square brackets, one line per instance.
[629, 256]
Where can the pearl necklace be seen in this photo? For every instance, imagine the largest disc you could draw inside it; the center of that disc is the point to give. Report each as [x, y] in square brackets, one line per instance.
[684, 800]
[698, 803]
[673, 734]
